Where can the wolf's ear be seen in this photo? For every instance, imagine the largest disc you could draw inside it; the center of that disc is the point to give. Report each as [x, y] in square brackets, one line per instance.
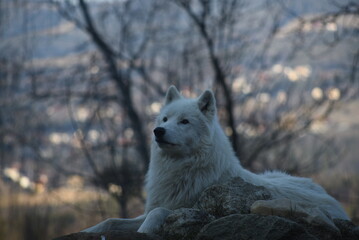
[207, 104]
[172, 94]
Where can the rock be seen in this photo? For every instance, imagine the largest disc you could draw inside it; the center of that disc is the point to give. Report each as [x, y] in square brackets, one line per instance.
[235, 196]
[238, 210]
[185, 223]
[323, 232]
[251, 226]
[348, 230]
[111, 235]
[287, 208]
[314, 219]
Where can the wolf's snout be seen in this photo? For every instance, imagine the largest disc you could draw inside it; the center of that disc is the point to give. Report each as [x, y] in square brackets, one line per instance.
[159, 132]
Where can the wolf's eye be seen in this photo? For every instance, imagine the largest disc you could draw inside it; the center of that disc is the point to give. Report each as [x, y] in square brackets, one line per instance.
[184, 121]
[165, 119]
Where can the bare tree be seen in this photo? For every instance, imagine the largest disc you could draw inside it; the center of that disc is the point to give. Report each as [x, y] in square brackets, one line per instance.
[125, 54]
[202, 20]
[218, 24]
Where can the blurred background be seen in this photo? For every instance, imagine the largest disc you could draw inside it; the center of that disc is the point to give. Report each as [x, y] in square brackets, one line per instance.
[82, 81]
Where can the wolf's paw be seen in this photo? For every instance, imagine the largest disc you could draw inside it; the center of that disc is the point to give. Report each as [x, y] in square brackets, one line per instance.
[154, 220]
[284, 207]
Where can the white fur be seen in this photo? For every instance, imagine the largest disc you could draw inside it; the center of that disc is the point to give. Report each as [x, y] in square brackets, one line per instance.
[203, 156]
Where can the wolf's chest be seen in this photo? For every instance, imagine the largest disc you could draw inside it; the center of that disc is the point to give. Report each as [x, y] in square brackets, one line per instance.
[180, 189]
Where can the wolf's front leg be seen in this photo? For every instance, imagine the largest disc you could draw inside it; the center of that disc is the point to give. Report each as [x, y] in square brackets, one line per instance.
[154, 220]
[117, 224]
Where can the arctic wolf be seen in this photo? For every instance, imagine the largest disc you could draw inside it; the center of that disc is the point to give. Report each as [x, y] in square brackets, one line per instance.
[190, 152]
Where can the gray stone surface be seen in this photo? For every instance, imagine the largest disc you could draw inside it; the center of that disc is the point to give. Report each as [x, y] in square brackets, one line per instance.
[236, 196]
[249, 226]
[185, 223]
[285, 207]
[348, 230]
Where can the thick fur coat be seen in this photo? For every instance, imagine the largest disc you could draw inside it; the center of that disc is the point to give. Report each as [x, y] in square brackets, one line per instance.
[192, 152]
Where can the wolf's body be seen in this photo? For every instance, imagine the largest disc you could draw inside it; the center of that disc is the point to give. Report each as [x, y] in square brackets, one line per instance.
[190, 152]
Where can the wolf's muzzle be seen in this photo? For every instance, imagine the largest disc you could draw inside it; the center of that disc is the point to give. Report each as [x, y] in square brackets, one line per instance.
[159, 132]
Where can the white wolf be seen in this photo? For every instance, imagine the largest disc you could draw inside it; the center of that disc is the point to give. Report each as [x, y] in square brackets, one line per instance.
[190, 152]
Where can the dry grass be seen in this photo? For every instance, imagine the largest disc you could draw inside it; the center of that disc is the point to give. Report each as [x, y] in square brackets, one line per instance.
[50, 214]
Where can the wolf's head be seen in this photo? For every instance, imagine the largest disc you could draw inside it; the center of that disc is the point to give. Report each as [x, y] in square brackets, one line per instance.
[183, 126]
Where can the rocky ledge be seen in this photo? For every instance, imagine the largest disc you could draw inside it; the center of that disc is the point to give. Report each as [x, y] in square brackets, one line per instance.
[239, 210]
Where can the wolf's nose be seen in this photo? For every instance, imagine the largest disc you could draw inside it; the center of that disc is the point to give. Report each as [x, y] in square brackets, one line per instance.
[159, 131]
